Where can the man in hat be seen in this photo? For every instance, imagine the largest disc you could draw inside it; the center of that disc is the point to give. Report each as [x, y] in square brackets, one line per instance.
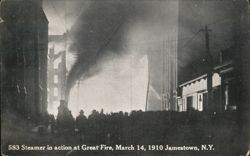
[81, 123]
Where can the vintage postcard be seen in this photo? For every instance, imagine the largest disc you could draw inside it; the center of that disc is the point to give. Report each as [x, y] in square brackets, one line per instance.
[125, 77]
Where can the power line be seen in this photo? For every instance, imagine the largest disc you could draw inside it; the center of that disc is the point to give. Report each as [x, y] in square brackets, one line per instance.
[218, 21]
[192, 38]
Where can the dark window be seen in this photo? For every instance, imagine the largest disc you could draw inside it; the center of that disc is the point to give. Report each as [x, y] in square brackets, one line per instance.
[189, 103]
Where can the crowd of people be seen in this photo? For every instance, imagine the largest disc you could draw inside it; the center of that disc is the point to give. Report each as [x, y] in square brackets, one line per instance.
[140, 127]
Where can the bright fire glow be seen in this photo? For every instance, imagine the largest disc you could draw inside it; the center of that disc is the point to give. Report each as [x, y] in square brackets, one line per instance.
[120, 86]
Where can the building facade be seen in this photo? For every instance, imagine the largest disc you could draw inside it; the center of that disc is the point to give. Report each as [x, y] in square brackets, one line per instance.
[24, 57]
[194, 93]
[57, 70]
[225, 88]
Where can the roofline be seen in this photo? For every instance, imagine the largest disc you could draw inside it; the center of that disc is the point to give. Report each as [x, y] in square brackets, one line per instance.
[196, 79]
[216, 68]
[46, 19]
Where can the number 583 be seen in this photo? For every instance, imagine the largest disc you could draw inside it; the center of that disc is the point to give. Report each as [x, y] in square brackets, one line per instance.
[13, 147]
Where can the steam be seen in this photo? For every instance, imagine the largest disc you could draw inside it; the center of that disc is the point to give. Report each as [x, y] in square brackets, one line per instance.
[110, 29]
[93, 32]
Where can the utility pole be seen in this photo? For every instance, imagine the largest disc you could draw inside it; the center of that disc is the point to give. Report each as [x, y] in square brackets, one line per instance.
[209, 61]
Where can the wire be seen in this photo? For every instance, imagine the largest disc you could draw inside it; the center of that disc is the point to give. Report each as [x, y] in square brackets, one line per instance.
[192, 38]
[218, 21]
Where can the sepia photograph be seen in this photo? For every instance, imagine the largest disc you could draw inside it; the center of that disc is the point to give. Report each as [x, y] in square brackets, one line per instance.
[125, 77]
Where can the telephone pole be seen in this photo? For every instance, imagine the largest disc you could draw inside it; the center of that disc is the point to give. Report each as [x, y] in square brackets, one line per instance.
[209, 61]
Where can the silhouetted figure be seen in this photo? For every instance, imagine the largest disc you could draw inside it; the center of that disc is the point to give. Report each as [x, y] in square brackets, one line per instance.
[107, 140]
[71, 122]
[65, 120]
[81, 123]
[94, 114]
[52, 122]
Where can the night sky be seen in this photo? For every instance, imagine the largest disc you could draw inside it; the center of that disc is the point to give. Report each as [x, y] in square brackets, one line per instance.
[222, 18]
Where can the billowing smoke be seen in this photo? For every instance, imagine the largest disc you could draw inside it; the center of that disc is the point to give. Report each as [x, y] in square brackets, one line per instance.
[104, 30]
[93, 33]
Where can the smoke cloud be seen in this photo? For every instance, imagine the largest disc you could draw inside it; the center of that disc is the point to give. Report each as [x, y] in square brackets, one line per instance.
[110, 29]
